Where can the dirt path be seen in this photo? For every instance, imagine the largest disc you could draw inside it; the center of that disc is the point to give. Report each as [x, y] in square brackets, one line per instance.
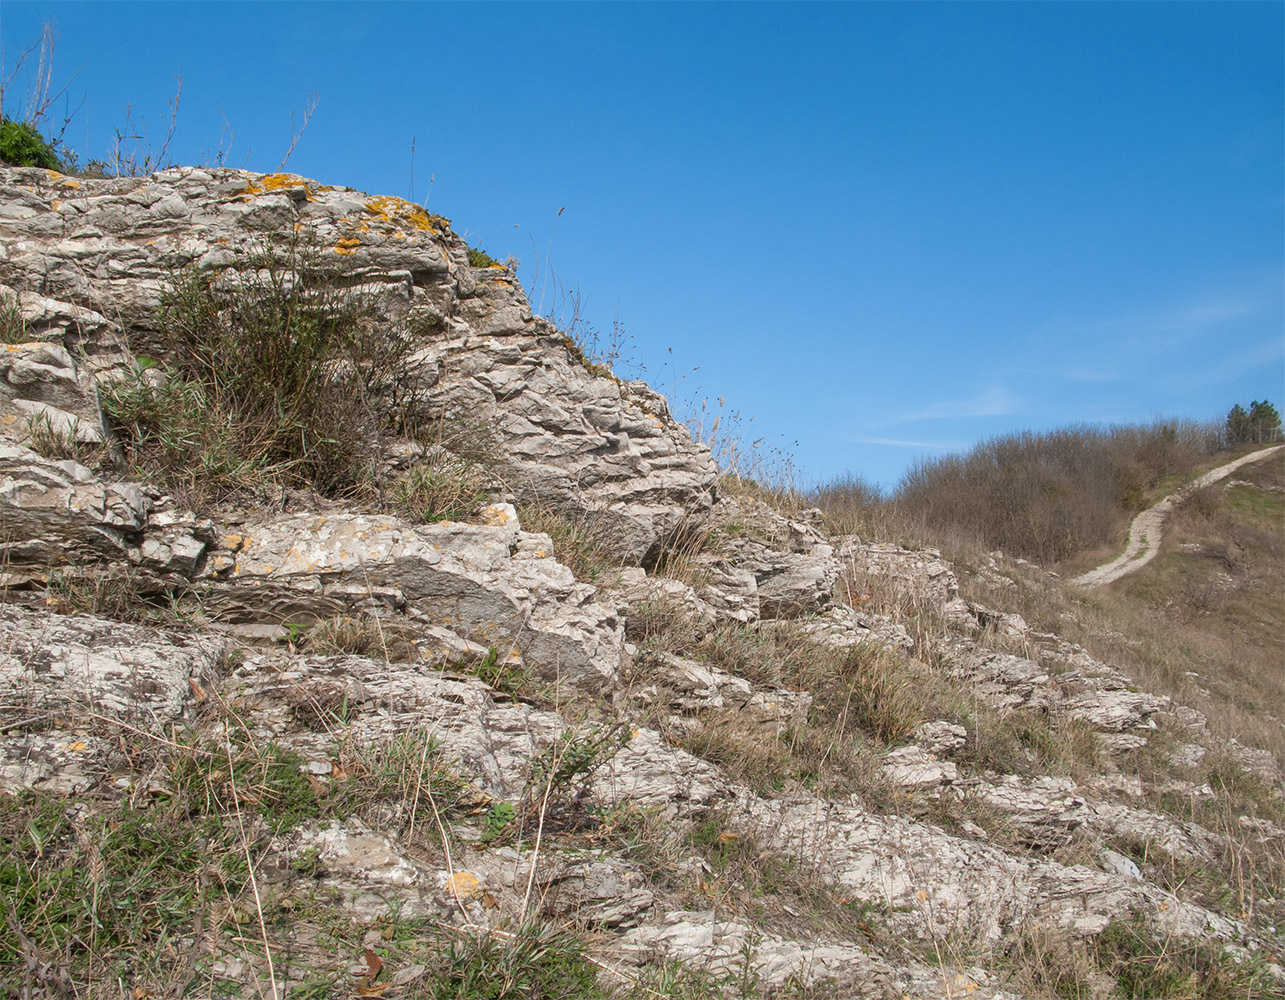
[1146, 530]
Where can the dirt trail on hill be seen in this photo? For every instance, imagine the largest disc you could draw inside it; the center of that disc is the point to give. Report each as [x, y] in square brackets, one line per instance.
[1146, 530]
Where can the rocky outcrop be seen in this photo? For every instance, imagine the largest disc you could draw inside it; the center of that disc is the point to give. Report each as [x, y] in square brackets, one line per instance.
[77, 251]
[595, 751]
[766, 565]
[491, 584]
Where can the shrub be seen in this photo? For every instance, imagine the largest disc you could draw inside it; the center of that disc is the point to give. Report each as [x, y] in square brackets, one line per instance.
[480, 258]
[280, 378]
[22, 146]
[1046, 496]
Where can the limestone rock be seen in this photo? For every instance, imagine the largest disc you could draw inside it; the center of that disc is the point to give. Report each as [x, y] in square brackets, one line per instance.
[569, 433]
[920, 577]
[913, 767]
[1082, 688]
[687, 686]
[650, 773]
[461, 576]
[1043, 811]
[598, 890]
[67, 665]
[791, 563]
[55, 514]
[44, 392]
[896, 863]
[700, 940]
[940, 738]
[841, 627]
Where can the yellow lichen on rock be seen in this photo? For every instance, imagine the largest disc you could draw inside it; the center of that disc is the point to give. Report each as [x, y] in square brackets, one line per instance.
[271, 183]
[400, 212]
[465, 885]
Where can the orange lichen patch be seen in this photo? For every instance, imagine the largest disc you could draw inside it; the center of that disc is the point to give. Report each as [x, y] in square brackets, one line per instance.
[401, 212]
[347, 245]
[269, 183]
[52, 174]
[496, 267]
[466, 885]
[71, 182]
[55, 205]
[494, 516]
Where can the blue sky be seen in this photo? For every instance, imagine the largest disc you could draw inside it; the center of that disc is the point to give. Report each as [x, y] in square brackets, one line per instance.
[882, 230]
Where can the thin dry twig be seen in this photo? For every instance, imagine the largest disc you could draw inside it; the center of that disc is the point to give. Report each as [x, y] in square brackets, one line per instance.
[249, 864]
[309, 107]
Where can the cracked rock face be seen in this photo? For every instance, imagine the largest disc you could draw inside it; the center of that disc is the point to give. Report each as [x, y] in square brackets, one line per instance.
[480, 581]
[903, 865]
[43, 391]
[77, 251]
[58, 513]
[767, 565]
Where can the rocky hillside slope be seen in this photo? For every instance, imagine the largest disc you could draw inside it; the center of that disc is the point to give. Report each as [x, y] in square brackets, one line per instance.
[619, 728]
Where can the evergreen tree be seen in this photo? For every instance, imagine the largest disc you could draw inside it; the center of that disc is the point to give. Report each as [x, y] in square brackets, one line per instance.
[1260, 425]
[1264, 422]
[1237, 426]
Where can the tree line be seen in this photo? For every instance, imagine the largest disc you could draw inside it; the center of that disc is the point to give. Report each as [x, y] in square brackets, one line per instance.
[1261, 424]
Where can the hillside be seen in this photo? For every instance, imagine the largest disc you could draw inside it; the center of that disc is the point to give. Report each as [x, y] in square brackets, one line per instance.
[363, 637]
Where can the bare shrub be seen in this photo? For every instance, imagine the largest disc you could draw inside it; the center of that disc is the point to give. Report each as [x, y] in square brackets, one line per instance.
[281, 379]
[1045, 496]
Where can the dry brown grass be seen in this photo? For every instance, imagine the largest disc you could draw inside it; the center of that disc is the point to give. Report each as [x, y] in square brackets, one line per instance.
[581, 544]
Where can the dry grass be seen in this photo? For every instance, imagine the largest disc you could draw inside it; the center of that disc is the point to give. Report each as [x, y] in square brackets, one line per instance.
[582, 544]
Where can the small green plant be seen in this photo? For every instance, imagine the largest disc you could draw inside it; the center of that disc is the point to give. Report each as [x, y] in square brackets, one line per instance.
[13, 328]
[241, 774]
[535, 962]
[503, 676]
[21, 145]
[561, 772]
[497, 821]
[60, 441]
[480, 258]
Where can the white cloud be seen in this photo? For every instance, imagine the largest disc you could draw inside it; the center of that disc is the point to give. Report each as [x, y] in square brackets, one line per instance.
[995, 401]
[899, 443]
